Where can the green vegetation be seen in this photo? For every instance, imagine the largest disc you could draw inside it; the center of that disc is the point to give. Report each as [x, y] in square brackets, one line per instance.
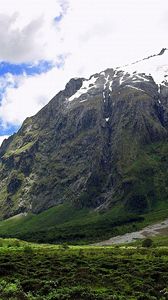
[35, 272]
[157, 241]
[146, 179]
[64, 223]
[147, 243]
[83, 226]
[19, 150]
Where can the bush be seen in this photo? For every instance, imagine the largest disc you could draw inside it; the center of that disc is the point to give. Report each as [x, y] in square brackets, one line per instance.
[28, 249]
[147, 243]
[64, 246]
[16, 243]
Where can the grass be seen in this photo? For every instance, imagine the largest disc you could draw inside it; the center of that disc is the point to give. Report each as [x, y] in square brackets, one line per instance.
[159, 241]
[19, 150]
[34, 272]
[63, 223]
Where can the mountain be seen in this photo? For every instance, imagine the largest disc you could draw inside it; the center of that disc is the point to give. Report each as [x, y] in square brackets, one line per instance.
[99, 144]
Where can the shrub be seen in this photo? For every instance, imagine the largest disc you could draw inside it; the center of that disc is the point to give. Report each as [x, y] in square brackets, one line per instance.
[147, 243]
[16, 243]
[28, 249]
[64, 246]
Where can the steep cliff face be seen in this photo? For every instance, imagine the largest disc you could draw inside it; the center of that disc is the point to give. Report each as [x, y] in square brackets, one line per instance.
[101, 141]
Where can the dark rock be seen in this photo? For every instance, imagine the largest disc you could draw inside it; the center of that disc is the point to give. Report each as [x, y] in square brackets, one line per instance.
[72, 86]
[107, 146]
[14, 185]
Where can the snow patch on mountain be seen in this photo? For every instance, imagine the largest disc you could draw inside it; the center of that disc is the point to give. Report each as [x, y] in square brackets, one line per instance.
[155, 66]
[110, 86]
[86, 86]
[153, 69]
[133, 87]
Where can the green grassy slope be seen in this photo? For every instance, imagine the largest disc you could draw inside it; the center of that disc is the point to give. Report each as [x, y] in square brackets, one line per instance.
[63, 223]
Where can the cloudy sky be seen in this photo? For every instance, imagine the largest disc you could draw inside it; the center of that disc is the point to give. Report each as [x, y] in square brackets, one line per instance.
[43, 43]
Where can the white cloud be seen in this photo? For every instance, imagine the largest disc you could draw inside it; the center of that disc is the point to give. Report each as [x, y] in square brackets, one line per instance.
[112, 32]
[27, 30]
[2, 138]
[95, 34]
[19, 45]
[26, 95]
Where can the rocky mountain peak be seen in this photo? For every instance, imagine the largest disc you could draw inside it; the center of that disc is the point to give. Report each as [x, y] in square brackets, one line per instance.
[93, 144]
[151, 70]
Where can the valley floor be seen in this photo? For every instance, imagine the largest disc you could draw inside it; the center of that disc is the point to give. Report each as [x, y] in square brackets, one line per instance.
[45, 272]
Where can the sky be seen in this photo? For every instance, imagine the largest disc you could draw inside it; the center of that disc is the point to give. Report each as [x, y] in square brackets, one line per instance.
[44, 43]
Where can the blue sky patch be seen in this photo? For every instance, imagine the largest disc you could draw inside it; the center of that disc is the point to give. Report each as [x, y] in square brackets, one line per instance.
[20, 69]
[9, 130]
[29, 69]
[58, 19]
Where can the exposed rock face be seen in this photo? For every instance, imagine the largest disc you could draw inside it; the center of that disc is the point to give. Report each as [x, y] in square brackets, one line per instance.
[98, 142]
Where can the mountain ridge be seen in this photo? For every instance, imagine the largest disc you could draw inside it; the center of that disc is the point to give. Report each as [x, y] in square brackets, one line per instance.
[84, 145]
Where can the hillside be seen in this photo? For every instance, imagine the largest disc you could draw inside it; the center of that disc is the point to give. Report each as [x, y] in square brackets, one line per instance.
[99, 146]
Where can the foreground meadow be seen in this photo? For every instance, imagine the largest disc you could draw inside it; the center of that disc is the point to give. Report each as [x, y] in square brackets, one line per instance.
[44, 272]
